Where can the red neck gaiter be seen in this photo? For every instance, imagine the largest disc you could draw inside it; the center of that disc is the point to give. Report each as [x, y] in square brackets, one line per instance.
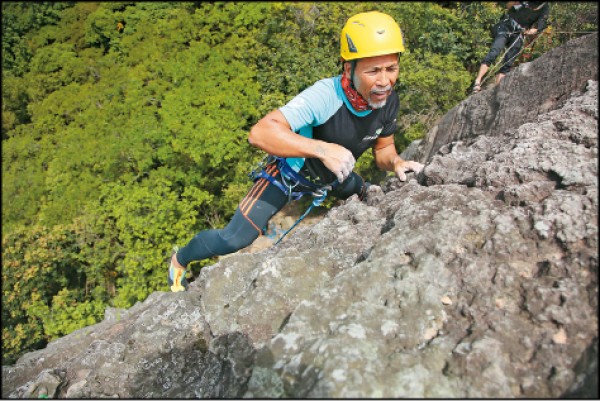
[356, 100]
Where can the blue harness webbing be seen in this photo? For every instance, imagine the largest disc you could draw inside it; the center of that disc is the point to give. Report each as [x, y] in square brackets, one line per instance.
[290, 180]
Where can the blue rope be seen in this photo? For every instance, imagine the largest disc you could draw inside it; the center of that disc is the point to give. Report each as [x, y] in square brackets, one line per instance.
[316, 202]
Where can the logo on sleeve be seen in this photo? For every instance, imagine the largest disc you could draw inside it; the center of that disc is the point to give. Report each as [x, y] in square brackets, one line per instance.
[374, 136]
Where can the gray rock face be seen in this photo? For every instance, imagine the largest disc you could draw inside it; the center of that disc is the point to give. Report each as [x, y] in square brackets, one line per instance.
[477, 278]
[530, 90]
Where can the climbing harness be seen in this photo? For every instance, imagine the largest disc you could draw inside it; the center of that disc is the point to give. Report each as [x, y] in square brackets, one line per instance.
[292, 184]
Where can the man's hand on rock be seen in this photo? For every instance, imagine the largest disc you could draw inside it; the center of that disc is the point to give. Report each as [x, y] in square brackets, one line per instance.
[401, 167]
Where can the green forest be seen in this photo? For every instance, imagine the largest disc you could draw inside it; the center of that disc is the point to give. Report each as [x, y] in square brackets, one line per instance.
[124, 129]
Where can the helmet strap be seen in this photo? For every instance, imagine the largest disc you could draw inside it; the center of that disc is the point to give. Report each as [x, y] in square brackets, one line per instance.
[352, 70]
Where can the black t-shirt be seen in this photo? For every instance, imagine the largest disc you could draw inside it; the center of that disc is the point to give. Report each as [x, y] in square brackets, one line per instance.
[323, 112]
[530, 14]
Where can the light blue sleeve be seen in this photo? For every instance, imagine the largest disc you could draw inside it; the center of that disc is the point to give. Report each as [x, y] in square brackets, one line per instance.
[313, 106]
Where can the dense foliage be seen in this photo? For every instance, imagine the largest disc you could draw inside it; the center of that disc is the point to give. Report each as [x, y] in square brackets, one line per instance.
[124, 129]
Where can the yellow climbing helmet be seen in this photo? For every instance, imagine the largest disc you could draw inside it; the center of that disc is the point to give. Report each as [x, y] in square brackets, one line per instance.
[370, 34]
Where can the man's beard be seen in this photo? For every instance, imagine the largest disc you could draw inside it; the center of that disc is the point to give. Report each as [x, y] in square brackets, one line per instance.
[380, 104]
[377, 105]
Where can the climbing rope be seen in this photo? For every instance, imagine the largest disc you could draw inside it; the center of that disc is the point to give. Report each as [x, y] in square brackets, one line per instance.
[496, 67]
[574, 32]
[316, 202]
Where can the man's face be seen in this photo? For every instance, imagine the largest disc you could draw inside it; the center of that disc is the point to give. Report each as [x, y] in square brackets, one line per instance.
[374, 78]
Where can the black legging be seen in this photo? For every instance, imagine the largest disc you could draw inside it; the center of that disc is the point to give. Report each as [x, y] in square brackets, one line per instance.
[505, 37]
[259, 205]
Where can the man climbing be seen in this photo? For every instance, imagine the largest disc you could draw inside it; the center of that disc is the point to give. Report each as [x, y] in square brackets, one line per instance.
[316, 138]
[522, 18]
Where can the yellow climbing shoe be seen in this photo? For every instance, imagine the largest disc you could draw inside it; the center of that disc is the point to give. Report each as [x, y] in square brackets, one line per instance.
[176, 279]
